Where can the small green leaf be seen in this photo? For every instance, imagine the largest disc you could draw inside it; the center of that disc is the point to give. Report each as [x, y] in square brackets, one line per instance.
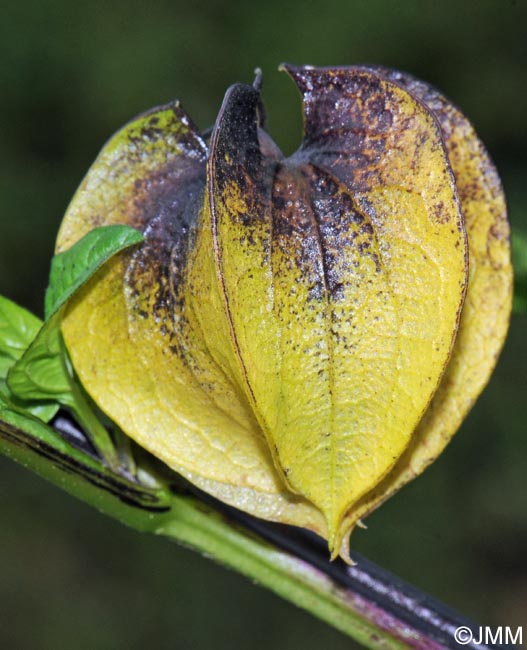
[73, 267]
[44, 374]
[31, 353]
[40, 374]
[18, 327]
[44, 411]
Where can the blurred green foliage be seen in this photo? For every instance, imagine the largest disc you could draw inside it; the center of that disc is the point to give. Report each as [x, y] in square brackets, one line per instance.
[519, 257]
[71, 74]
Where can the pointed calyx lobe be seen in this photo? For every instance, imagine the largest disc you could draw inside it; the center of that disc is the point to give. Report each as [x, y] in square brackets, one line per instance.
[342, 271]
[287, 322]
[485, 317]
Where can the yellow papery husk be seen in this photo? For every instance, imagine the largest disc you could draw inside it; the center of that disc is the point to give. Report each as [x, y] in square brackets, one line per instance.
[486, 311]
[190, 386]
[124, 364]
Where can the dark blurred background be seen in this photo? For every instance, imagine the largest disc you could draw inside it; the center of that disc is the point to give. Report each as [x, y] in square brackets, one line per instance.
[71, 73]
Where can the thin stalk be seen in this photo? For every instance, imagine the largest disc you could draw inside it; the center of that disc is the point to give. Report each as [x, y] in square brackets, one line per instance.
[98, 434]
[365, 602]
[79, 405]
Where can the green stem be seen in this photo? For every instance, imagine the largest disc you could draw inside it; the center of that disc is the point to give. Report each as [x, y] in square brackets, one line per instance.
[251, 547]
[87, 418]
[98, 434]
[286, 575]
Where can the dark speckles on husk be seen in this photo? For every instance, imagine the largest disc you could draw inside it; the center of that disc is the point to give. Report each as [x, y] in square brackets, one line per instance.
[314, 262]
[155, 273]
[288, 320]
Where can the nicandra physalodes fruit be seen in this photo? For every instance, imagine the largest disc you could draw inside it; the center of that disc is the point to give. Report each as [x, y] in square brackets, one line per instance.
[297, 336]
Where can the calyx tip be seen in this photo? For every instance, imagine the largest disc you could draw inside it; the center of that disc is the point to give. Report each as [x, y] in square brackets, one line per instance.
[257, 83]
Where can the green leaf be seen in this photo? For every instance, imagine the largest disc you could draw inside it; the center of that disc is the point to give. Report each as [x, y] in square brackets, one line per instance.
[40, 374]
[31, 353]
[44, 412]
[73, 267]
[18, 327]
[44, 373]
[40, 377]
